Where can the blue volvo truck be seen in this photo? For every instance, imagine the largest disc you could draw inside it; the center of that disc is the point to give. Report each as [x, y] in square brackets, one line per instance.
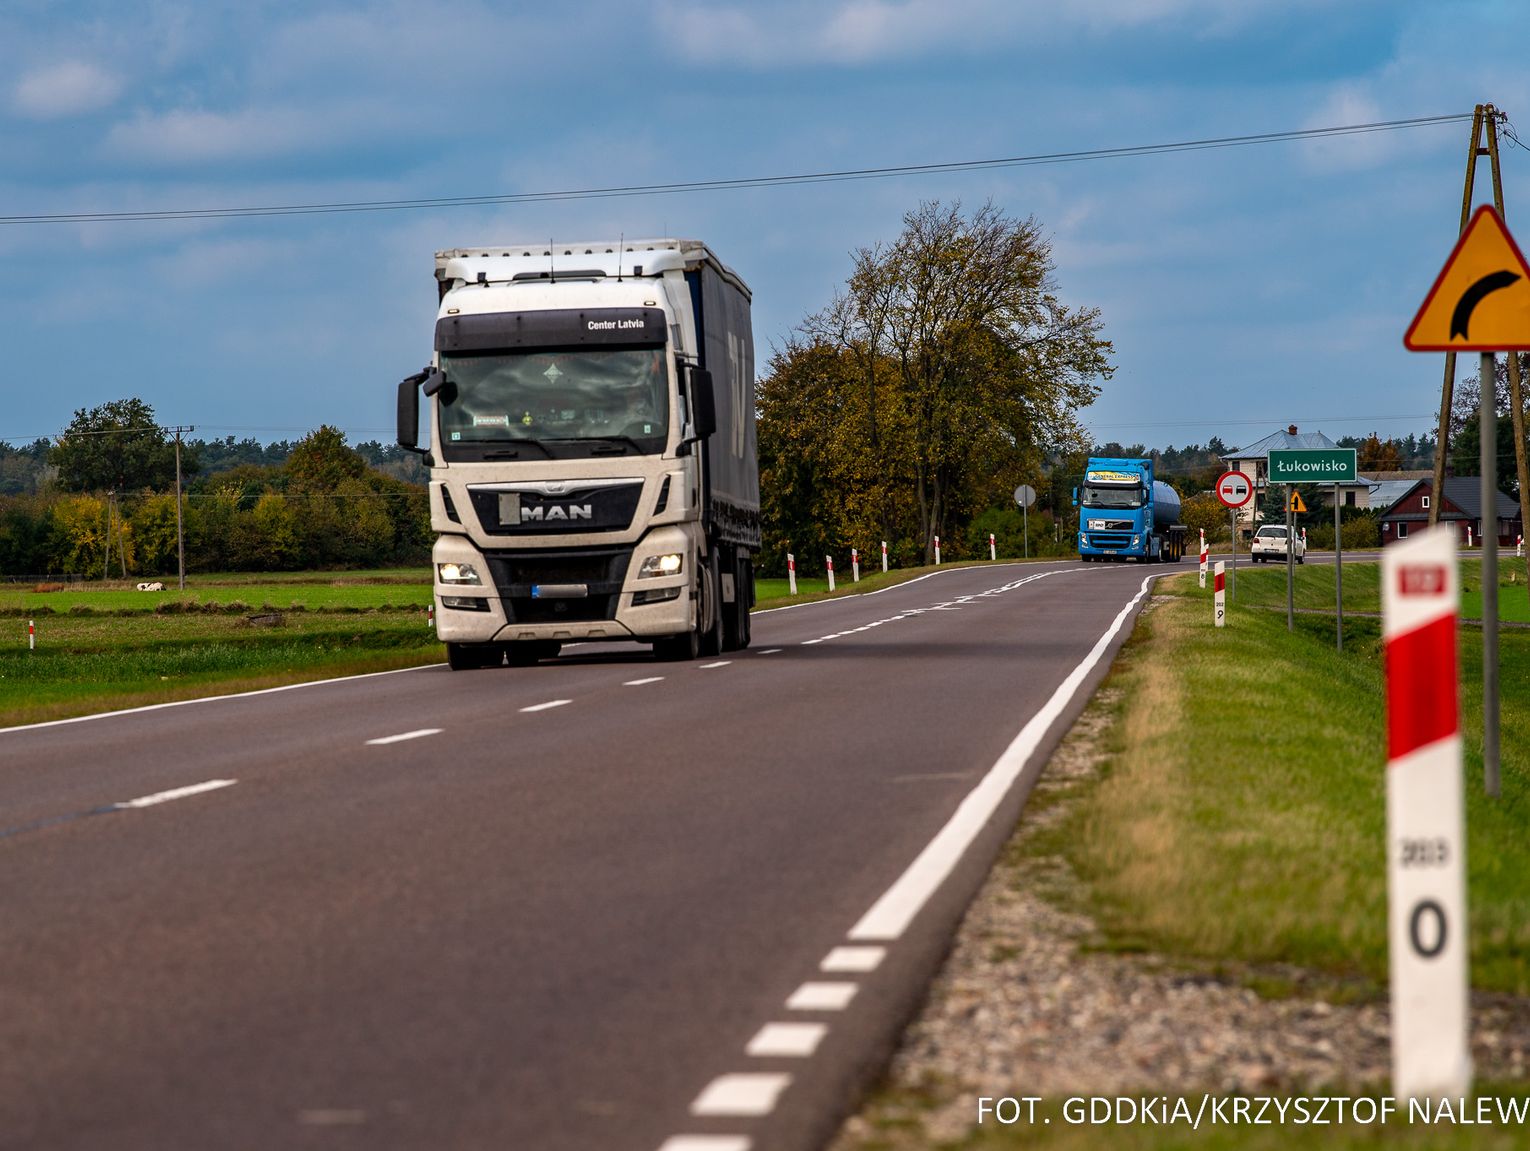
[1124, 513]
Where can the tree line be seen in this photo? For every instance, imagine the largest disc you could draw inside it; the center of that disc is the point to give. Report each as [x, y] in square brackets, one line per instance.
[101, 501]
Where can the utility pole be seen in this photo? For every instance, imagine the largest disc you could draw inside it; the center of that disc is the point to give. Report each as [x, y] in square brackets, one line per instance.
[180, 531]
[1485, 118]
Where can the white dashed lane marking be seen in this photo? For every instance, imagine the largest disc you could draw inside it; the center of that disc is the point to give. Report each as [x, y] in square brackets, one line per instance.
[549, 705]
[789, 1040]
[400, 738]
[745, 1094]
[178, 793]
[857, 959]
[834, 996]
[706, 1143]
[643, 682]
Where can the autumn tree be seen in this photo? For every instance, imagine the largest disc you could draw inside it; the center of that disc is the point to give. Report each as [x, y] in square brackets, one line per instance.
[1378, 455]
[962, 366]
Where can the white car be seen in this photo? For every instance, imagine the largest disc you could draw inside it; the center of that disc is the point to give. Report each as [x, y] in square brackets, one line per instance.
[1270, 544]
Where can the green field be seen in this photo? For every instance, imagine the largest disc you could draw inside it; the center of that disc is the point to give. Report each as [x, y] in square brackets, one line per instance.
[101, 646]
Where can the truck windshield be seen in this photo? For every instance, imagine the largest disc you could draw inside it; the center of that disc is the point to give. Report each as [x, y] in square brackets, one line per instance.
[566, 401]
[1098, 496]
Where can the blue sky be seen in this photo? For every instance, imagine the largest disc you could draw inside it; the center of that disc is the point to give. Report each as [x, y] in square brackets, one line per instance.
[1244, 288]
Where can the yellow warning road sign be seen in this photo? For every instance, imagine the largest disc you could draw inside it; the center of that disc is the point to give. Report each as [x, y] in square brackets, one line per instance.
[1296, 502]
[1480, 301]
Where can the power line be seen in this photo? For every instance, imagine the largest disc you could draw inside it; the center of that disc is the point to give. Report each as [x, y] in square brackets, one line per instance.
[735, 184]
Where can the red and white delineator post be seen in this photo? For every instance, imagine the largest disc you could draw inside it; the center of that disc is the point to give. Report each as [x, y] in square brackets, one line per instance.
[31, 635]
[884, 557]
[1519, 548]
[855, 565]
[830, 561]
[1205, 557]
[791, 572]
[430, 614]
[1426, 838]
[937, 551]
[1219, 598]
[993, 550]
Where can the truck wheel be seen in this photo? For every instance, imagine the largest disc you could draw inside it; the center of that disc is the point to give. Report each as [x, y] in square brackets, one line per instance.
[735, 615]
[528, 652]
[471, 656]
[677, 648]
[710, 609]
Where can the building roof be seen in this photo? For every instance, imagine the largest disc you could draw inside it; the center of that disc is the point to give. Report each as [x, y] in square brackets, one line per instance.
[1385, 493]
[1287, 439]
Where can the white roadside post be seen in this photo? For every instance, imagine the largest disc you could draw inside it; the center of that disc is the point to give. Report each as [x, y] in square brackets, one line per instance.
[1205, 557]
[31, 635]
[884, 557]
[993, 551]
[937, 551]
[1468, 537]
[830, 561]
[1219, 598]
[1519, 548]
[791, 572]
[855, 565]
[1426, 841]
[430, 613]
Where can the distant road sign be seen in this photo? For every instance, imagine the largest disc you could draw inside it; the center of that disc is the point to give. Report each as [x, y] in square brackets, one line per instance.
[1025, 495]
[1296, 502]
[1234, 489]
[1313, 466]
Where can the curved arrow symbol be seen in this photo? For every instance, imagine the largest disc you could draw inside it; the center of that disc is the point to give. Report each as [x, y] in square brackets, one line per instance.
[1473, 296]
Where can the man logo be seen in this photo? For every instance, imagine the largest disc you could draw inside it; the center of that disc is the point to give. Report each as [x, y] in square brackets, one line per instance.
[552, 513]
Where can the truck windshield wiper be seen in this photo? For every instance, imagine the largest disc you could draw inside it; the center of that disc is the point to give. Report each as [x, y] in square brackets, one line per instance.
[607, 442]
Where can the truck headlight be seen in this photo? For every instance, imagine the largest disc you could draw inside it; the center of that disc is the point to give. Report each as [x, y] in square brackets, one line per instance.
[1136, 541]
[458, 574]
[666, 565]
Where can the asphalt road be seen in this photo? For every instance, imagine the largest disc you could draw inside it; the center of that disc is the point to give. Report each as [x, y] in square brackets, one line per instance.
[603, 903]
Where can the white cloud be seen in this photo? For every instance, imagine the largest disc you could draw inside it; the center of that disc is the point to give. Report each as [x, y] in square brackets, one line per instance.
[865, 31]
[193, 136]
[68, 88]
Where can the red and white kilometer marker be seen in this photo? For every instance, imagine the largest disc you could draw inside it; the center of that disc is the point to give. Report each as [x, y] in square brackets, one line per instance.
[1426, 840]
[1219, 596]
[1205, 557]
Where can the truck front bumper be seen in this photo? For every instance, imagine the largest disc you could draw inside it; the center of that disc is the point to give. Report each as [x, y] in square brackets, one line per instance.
[565, 594]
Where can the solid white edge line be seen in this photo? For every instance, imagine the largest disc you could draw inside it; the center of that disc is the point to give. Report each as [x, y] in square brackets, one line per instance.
[742, 1094]
[382, 741]
[176, 793]
[891, 914]
[213, 698]
[548, 706]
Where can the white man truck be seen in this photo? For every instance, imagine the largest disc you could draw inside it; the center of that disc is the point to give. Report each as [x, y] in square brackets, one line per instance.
[593, 473]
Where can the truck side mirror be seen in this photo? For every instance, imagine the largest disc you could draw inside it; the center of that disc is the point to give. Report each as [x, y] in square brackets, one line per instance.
[703, 403]
[409, 408]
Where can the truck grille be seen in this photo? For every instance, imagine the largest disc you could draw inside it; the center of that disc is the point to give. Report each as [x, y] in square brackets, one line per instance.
[1109, 539]
[596, 507]
[599, 572]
